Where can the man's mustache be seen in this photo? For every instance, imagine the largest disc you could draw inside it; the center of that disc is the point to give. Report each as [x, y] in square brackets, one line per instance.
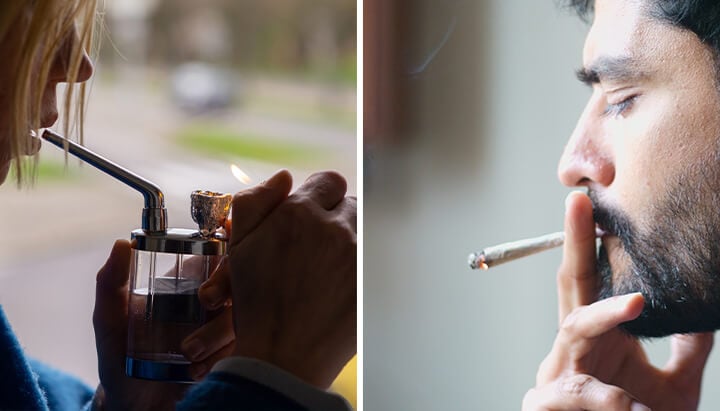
[612, 220]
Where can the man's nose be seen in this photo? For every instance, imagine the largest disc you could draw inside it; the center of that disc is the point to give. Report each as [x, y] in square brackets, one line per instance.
[588, 157]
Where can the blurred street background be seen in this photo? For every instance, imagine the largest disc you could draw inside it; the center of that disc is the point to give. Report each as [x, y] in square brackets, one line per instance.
[182, 89]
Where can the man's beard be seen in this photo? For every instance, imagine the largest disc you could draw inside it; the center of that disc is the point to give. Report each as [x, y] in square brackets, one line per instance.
[674, 262]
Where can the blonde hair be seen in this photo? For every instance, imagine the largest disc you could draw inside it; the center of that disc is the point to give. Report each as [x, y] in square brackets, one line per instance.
[43, 28]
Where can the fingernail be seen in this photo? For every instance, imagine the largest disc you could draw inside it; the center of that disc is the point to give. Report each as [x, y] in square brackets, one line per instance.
[628, 297]
[622, 299]
[193, 349]
[273, 180]
[269, 181]
[569, 196]
[636, 406]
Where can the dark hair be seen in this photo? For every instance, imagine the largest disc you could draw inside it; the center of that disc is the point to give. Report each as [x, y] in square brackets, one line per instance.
[583, 8]
[702, 17]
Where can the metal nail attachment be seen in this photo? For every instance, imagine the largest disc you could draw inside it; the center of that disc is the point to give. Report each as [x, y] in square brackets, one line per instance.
[209, 210]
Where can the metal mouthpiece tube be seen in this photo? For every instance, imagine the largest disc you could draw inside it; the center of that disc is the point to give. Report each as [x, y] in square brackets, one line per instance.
[154, 216]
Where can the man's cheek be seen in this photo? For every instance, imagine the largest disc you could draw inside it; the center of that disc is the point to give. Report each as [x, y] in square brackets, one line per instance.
[617, 255]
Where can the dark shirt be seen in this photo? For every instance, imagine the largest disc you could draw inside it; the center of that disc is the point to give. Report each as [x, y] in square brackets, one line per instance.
[26, 384]
[242, 385]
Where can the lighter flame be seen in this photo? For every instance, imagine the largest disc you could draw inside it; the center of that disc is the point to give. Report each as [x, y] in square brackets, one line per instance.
[240, 175]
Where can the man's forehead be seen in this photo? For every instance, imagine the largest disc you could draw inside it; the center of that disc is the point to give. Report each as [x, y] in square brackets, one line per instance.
[626, 40]
[619, 28]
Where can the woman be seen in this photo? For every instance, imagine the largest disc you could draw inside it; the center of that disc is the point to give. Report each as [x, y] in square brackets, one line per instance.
[295, 316]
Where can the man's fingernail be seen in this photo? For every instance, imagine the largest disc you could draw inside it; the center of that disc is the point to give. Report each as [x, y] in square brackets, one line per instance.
[628, 297]
[636, 406]
[620, 298]
[620, 301]
[569, 196]
[193, 349]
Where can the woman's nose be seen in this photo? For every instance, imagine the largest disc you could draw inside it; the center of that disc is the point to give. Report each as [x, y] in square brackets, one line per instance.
[86, 68]
[62, 62]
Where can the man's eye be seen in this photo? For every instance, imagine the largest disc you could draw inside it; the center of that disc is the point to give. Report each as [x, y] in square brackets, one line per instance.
[620, 108]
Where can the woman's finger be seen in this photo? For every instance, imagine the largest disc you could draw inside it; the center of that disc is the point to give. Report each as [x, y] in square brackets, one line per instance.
[200, 369]
[110, 314]
[325, 188]
[216, 291]
[346, 210]
[250, 207]
[209, 338]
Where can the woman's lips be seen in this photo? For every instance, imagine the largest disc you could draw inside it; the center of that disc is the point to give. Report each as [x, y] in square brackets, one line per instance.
[34, 145]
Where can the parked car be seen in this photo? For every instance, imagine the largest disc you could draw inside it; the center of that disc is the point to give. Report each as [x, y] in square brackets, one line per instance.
[200, 88]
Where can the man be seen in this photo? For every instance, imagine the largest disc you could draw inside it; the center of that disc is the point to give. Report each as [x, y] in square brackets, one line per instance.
[647, 148]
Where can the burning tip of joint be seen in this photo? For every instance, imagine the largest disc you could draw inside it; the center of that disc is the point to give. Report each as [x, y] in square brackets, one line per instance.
[477, 261]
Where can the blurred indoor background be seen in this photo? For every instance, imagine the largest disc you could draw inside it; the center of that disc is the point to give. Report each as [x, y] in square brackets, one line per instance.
[468, 105]
[182, 90]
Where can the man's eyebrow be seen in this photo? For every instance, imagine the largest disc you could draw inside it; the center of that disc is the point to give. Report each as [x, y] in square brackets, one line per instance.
[610, 69]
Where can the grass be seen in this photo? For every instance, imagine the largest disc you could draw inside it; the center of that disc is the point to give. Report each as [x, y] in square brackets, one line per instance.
[219, 142]
[47, 171]
[342, 73]
[318, 114]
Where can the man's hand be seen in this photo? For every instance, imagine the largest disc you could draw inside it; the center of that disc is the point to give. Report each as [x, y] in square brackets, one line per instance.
[593, 365]
[119, 392]
[293, 272]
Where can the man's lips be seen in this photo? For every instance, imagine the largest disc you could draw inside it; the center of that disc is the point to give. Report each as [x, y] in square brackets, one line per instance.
[610, 241]
[601, 232]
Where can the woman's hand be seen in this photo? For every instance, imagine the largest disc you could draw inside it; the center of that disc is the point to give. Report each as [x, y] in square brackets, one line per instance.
[117, 391]
[288, 290]
[293, 271]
